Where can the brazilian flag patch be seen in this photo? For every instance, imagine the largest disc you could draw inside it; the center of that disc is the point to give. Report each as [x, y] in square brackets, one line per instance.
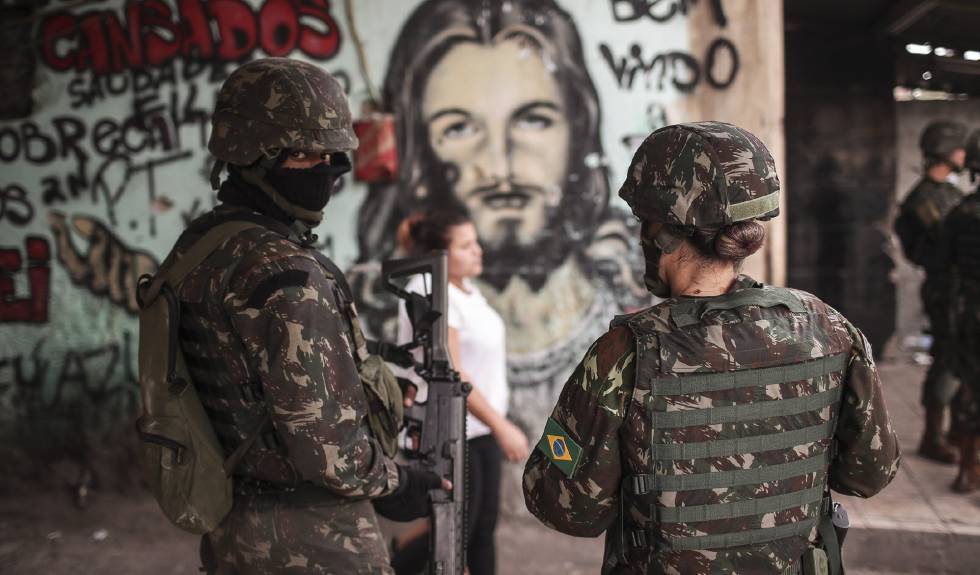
[559, 447]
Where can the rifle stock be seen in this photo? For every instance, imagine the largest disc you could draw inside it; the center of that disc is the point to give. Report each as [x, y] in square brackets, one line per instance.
[437, 426]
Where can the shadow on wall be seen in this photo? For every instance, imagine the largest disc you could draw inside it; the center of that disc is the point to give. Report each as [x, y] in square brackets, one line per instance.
[841, 175]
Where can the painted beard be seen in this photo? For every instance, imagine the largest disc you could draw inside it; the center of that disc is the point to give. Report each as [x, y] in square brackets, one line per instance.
[533, 262]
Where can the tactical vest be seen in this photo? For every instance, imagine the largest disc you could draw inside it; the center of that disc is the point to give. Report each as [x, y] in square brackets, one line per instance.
[965, 232]
[924, 208]
[736, 390]
[232, 408]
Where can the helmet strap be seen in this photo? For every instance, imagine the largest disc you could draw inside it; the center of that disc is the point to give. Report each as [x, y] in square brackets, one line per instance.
[219, 165]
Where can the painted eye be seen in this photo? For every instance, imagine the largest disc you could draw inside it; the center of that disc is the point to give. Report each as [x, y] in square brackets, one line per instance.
[460, 129]
[534, 122]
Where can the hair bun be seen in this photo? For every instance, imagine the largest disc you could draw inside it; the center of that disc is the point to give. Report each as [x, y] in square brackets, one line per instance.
[408, 231]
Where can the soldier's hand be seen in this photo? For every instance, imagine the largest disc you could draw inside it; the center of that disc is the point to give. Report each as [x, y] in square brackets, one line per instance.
[411, 499]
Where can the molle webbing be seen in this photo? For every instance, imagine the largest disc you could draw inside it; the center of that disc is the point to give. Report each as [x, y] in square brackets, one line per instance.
[712, 512]
[652, 484]
[739, 538]
[747, 412]
[739, 445]
[700, 383]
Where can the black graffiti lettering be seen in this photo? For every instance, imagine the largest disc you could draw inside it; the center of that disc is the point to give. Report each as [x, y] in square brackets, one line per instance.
[662, 10]
[631, 10]
[15, 207]
[719, 46]
[151, 183]
[110, 183]
[619, 66]
[684, 71]
[9, 145]
[105, 131]
[70, 131]
[38, 148]
[51, 192]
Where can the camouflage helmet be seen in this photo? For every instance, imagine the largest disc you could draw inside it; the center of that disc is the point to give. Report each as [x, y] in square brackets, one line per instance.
[941, 138]
[278, 103]
[702, 175]
[973, 152]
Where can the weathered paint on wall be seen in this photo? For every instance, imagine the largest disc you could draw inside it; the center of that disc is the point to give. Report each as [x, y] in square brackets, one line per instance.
[98, 182]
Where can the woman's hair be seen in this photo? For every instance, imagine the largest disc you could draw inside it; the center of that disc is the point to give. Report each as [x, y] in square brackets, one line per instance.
[732, 243]
[422, 232]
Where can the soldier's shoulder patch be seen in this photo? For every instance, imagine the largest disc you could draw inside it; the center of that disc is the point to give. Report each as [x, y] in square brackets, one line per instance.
[558, 446]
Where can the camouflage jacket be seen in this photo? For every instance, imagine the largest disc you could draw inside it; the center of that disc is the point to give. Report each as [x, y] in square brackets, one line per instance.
[920, 220]
[960, 244]
[604, 413]
[262, 331]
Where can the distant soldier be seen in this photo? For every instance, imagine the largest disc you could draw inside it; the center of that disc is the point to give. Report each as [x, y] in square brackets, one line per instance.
[961, 250]
[702, 434]
[272, 341]
[918, 227]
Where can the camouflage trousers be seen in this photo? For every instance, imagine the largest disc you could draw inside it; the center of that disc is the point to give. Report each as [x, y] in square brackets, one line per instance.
[266, 535]
[966, 403]
[941, 382]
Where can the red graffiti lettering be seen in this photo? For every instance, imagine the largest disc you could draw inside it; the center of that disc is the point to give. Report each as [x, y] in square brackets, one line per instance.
[158, 18]
[150, 33]
[236, 28]
[314, 43]
[33, 309]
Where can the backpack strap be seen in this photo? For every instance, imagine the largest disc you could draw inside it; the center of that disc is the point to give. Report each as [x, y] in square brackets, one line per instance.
[178, 269]
[173, 274]
[232, 461]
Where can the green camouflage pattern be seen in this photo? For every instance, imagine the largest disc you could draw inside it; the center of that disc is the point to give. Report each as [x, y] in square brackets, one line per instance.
[607, 407]
[262, 330]
[702, 175]
[919, 225]
[272, 104]
[961, 251]
[920, 219]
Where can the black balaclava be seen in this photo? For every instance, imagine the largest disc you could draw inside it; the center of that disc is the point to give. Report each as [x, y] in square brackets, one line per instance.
[306, 188]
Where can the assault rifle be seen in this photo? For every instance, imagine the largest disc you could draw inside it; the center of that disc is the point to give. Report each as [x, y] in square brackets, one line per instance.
[435, 428]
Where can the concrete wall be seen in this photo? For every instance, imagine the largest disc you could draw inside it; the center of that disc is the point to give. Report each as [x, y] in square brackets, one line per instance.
[911, 119]
[101, 177]
[840, 134]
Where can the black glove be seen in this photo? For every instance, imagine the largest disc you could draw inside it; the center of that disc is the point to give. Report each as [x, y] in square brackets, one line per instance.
[411, 499]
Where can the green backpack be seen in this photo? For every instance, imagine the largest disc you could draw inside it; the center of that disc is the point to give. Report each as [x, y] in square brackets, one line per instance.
[183, 462]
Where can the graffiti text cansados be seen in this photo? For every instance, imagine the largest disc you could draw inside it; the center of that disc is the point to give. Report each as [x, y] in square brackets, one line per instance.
[150, 33]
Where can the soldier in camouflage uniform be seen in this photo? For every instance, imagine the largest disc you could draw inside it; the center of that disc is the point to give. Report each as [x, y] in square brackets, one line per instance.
[702, 433]
[918, 227]
[961, 251]
[272, 341]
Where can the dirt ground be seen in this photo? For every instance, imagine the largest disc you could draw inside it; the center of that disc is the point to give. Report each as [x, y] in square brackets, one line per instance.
[915, 526]
[127, 535]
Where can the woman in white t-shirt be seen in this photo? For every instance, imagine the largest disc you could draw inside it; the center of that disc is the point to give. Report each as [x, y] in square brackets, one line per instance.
[478, 352]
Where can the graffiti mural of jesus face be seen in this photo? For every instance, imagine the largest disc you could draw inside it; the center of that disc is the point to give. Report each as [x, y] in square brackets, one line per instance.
[496, 115]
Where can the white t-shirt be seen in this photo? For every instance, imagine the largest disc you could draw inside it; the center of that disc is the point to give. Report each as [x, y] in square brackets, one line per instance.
[483, 354]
